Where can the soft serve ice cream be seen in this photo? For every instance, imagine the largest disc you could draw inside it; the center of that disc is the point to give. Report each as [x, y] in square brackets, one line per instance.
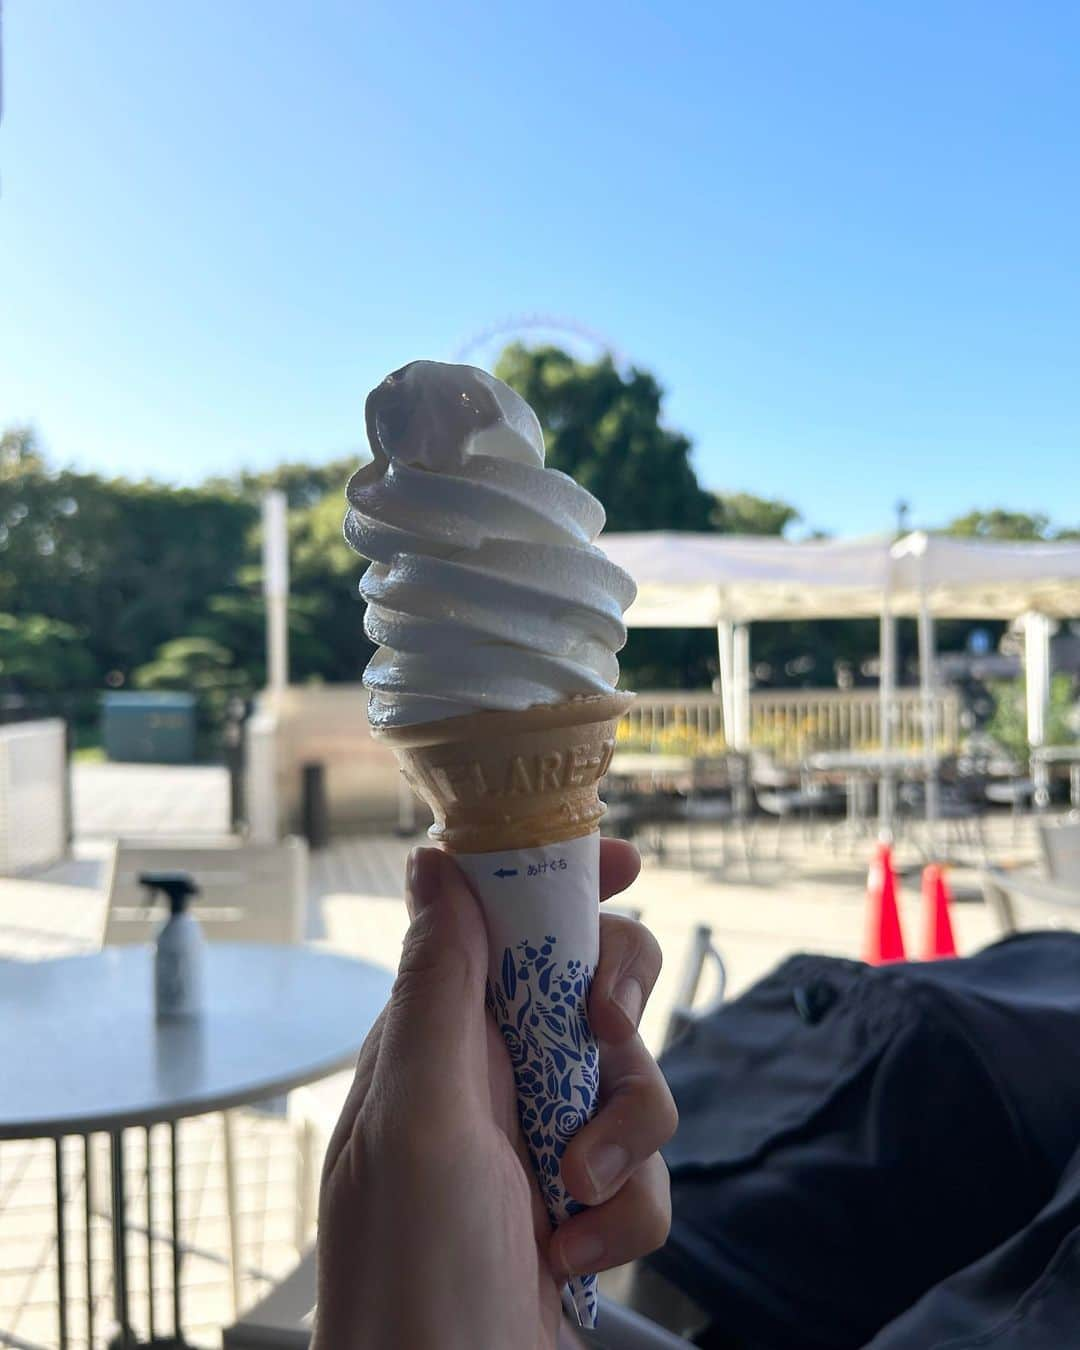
[498, 622]
[485, 590]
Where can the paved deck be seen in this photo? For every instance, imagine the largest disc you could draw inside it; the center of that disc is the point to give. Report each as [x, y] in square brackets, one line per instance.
[812, 898]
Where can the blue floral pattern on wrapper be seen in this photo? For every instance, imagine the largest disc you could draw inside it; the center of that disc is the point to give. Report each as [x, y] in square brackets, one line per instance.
[541, 1009]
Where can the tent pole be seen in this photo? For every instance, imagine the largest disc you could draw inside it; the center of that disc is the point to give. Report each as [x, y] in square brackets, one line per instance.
[276, 588]
[887, 688]
[740, 665]
[1037, 676]
[725, 643]
[926, 684]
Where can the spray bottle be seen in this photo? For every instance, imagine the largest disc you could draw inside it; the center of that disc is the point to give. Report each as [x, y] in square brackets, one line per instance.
[178, 955]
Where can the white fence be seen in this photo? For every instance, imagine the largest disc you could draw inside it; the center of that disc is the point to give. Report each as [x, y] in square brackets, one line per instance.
[790, 723]
[33, 795]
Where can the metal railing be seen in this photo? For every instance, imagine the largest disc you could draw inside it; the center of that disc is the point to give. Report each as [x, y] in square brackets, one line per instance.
[791, 723]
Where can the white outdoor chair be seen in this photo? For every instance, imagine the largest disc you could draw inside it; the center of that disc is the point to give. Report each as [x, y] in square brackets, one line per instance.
[247, 893]
[702, 953]
[1022, 901]
[1061, 851]
[283, 1319]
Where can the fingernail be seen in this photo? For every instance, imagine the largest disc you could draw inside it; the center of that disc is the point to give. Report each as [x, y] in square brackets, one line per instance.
[629, 998]
[421, 879]
[581, 1252]
[604, 1164]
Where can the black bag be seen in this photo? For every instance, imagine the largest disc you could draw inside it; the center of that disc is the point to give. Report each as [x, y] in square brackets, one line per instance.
[1024, 1295]
[850, 1136]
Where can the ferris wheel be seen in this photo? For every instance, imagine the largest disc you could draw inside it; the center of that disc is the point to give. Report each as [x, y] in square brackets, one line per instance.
[483, 347]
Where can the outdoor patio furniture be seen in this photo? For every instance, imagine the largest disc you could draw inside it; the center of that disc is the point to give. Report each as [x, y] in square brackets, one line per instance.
[1061, 851]
[1043, 760]
[861, 770]
[959, 815]
[247, 893]
[1024, 900]
[642, 794]
[283, 1319]
[785, 795]
[702, 953]
[719, 793]
[1015, 793]
[81, 1054]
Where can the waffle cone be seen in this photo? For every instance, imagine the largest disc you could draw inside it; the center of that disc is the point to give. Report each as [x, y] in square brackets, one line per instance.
[503, 780]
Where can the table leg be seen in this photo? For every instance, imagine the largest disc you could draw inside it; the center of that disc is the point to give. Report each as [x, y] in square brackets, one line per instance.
[61, 1246]
[119, 1238]
[88, 1201]
[174, 1155]
[1041, 775]
[149, 1233]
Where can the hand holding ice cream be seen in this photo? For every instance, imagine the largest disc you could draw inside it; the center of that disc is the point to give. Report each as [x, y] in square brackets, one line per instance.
[429, 1236]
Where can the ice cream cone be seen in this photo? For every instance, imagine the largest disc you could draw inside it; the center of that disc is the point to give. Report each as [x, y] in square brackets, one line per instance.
[498, 780]
[515, 796]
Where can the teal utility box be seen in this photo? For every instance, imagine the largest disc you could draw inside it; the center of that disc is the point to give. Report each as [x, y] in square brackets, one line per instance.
[149, 728]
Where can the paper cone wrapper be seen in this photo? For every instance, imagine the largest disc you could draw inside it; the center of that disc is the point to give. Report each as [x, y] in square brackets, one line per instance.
[515, 797]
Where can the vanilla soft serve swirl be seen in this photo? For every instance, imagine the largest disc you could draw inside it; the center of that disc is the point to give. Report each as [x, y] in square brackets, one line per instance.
[485, 590]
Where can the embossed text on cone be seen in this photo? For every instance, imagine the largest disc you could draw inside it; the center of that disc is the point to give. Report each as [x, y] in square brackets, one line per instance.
[498, 780]
[938, 938]
[515, 796]
[884, 938]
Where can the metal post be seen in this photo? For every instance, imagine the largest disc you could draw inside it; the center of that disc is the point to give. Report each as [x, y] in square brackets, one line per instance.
[174, 1169]
[725, 642]
[61, 1247]
[926, 686]
[119, 1238]
[886, 713]
[740, 699]
[150, 1233]
[276, 588]
[314, 814]
[1037, 676]
[88, 1196]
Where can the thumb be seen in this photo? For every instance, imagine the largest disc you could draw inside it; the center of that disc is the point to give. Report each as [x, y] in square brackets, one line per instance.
[435, 1037]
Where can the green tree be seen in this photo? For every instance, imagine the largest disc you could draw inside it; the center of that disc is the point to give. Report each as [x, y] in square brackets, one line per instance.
[604, 429]
[39, 655]
[743, 513]
[1001, 524]
[129, 564]
[199, 666]
[1008, 725]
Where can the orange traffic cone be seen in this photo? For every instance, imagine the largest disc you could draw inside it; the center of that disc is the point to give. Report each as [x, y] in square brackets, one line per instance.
[884, 939]
[938, 940]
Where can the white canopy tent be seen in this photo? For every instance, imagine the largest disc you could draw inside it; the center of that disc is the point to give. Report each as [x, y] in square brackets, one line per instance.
[727, 581]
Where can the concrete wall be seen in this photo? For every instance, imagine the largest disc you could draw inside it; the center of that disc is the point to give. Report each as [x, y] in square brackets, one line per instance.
[33, 795]
[325, 724]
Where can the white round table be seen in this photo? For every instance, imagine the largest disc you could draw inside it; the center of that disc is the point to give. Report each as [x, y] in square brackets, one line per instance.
[81, 1053]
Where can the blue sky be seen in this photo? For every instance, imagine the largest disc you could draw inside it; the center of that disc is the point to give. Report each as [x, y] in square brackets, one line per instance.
[846, 237]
